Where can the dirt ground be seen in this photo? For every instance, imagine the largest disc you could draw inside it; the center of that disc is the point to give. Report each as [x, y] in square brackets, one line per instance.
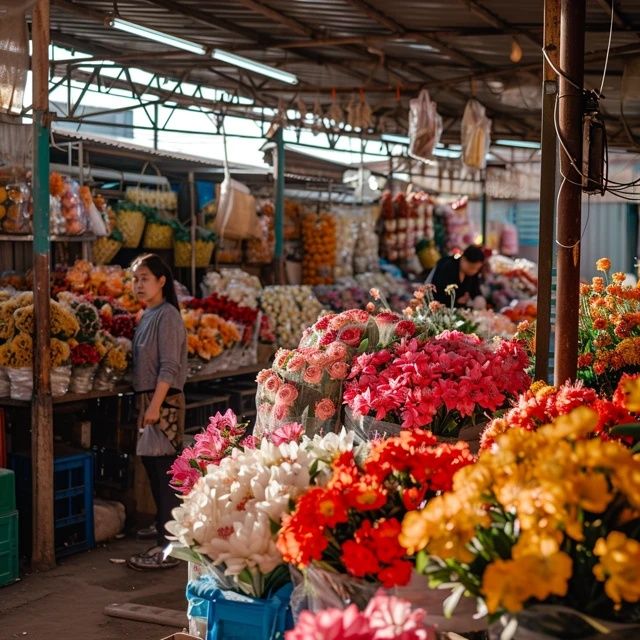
[67, 603]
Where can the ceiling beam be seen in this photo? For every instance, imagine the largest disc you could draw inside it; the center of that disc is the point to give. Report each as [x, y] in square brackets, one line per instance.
[395, 27]
[277, 16]
[619, 18]
[496, 21]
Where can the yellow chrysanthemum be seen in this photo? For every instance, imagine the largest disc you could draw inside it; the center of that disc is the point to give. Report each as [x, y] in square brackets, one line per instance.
[618, 567]
[604, 264]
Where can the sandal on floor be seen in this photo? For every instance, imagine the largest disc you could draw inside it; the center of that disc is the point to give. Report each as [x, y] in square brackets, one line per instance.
[152, 559]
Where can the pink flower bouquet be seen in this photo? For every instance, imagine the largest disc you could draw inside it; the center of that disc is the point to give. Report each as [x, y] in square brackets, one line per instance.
[443, 384]
[384, 618]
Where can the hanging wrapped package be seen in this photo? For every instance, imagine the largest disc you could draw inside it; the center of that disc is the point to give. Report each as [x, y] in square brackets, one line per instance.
[425, 126]
[237, 218]
[14, 43]
[476, 135]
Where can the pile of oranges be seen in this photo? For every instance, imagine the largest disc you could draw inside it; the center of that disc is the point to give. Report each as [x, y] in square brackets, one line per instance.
[319, 246]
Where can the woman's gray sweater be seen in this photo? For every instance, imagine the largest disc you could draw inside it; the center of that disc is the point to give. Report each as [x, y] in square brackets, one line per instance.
[160, 349]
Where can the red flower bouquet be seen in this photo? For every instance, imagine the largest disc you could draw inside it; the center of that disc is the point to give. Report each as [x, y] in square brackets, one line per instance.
[541, 404]
[443, 383]
[84, 354]
[352, 524]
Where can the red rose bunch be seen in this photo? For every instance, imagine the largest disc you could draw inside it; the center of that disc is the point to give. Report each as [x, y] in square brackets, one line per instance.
[353, 523]
[123, 326]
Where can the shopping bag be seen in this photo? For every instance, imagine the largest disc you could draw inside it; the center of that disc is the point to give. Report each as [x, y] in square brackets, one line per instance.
[152, 442]
[236, 218]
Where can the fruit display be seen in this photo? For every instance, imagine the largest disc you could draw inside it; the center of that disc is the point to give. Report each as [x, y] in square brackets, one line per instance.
[15, 206]
[67, 213]
[319, 245]
[261, 250]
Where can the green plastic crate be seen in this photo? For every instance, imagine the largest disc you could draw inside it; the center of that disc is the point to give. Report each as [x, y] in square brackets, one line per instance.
[7, 491]
[9, 567]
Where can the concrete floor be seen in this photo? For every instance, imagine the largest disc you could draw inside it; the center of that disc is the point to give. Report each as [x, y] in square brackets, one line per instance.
[67, 603]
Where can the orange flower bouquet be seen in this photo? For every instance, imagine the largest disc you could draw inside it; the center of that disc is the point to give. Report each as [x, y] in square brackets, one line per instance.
[609, 331]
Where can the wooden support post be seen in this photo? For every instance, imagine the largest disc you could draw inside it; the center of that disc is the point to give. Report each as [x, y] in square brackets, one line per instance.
[547, 187]
[43, 551]
[278, 169]
[572, 24]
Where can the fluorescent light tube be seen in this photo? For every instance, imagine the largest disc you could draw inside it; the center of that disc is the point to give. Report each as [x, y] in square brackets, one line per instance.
[519, 144]
[252, 65]
[157, 36]
[395, 138]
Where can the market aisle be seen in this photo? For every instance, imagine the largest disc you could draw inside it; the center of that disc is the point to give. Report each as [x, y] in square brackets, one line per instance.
[68, 602]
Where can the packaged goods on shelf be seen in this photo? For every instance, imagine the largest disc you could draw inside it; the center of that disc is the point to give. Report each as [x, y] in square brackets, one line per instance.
[15, 204]
[261, 250]
[319, 247]
[229, 251]
[366, 256]
[67, 213]
[293, 212]
[459, 229]
[405, 221]
[347, 227]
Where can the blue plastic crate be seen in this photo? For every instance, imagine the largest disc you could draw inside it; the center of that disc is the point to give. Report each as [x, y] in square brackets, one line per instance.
[232, 616]
[9, 566]
[72, 496]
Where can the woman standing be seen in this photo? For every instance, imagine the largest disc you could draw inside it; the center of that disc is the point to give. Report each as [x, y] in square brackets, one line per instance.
[159, 374]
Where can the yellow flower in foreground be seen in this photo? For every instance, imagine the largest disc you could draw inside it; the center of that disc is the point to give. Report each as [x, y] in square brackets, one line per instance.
[579, 423]
[446, 526]
[632, 394]
[604, 264]
[509, 584]
[618, 567]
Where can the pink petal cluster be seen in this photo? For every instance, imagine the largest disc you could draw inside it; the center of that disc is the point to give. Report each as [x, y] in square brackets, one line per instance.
[411, 381]
[290, 432]
[385, 618]
[211, 445]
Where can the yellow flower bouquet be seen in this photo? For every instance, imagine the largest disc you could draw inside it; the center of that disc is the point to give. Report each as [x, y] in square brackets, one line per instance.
[545, 517]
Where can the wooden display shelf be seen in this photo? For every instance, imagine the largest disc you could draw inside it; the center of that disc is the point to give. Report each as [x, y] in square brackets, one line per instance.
[125, 389]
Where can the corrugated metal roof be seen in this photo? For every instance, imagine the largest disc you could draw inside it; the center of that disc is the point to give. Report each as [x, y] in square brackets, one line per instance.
[376, 46]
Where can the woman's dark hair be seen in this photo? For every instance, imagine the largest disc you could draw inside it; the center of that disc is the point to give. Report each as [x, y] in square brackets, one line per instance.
[159, 268]
[473, 253]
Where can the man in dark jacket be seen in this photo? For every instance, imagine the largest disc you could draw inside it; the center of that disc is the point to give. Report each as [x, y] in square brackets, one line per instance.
[461, 271]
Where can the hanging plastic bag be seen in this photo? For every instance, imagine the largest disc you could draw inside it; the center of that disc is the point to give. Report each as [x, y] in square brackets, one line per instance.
[425, 126]
[476, 135]
[152, 442]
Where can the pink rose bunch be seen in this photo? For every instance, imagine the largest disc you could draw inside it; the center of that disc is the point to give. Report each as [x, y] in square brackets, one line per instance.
[437, 383]
[213, 444]
[384, 618]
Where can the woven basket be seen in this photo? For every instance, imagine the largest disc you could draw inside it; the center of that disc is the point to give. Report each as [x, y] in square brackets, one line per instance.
[157, 236]
[131, 225]
[182, 253]
[105, 250]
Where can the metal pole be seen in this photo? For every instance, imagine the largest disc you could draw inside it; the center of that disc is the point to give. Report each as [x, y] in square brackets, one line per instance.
[155, 126]
[572, 24]
[192, 206]
[484, 212]
[279, 206]
[43, 552]
[547, 188]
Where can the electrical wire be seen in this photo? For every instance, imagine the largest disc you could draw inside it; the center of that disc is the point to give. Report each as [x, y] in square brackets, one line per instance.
[606, 60]
[560, 73]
